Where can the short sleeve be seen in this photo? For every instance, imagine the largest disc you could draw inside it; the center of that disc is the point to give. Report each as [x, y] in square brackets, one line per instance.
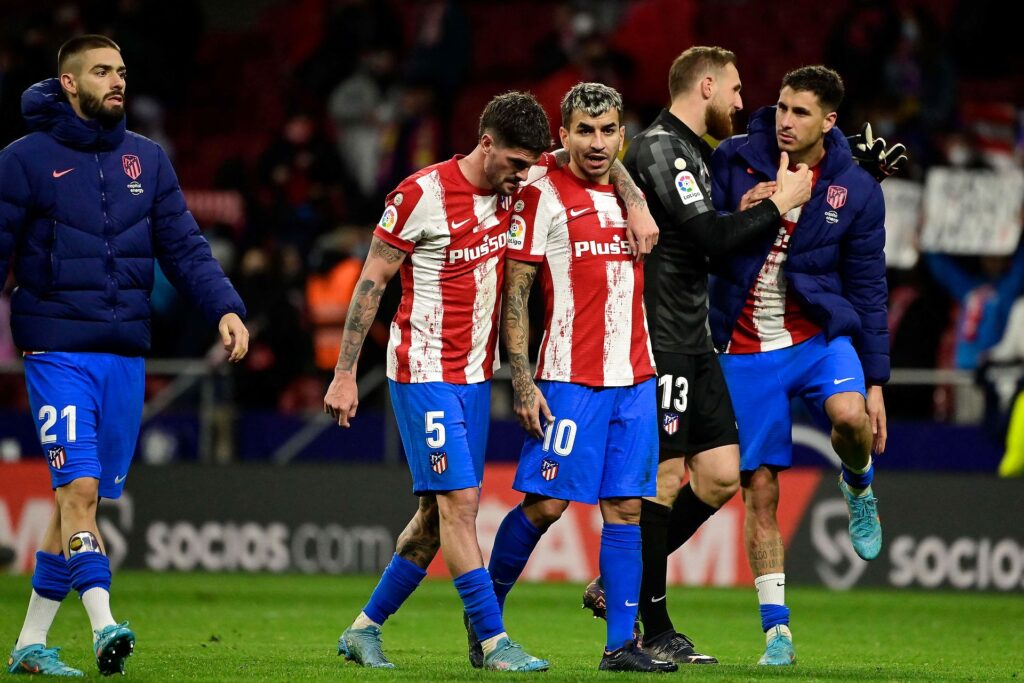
[529, 226]
[402, 224]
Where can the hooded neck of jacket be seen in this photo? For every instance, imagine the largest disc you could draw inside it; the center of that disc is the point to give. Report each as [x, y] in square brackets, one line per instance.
[761, 149]
[47, 110]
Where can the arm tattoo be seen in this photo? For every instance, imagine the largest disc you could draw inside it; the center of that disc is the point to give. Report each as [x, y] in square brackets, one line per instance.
[625, 187]
[518, 279]
[385, 251]
[361, 313]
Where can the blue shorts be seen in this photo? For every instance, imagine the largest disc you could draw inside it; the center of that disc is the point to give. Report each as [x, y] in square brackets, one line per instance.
[88, 409]
[444, 432]
[602, 444]
[762, 385]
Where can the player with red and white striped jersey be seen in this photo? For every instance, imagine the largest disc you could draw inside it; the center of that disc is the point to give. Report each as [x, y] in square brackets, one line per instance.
[446, 326]
[595, 327]
[595, 376]
[444, 228]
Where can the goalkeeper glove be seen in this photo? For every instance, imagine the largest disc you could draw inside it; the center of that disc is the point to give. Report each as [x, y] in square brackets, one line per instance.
[871, 154]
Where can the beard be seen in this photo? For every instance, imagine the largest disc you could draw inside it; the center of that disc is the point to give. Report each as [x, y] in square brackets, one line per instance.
[93, 107]
[719, 122]
[498, 181]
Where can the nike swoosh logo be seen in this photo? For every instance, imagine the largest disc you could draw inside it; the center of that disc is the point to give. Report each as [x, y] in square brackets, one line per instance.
[840, 381]
[780, 585]
[631, 604]
[658, 599]
[118, 480]
[504, 583]
[577, 212]
[456, 226]
[58, 174]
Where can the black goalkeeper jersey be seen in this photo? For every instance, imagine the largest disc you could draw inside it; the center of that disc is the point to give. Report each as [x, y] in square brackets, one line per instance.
[669, 163]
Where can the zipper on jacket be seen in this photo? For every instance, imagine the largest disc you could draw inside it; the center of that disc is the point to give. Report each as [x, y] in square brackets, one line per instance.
[106, 234]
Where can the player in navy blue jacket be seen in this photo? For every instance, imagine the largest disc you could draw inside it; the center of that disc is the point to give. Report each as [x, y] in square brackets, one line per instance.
[802, 312]
[86, 206]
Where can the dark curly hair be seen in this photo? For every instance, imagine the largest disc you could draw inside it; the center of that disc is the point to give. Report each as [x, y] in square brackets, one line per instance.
[516, 119]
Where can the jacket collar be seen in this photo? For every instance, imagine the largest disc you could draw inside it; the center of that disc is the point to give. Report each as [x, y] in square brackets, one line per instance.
[46, 109]
[761, 150]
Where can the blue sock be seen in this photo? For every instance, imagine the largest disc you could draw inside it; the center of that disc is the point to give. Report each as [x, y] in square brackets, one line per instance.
[89, 570]
[860, 480]
[399, 580]
[773, 615]
[478, 598]
[51, 578]
[621, 568]
[515, 540]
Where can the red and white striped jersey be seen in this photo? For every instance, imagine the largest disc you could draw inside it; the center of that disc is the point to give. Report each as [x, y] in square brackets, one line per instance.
[446, 327]
[595, 325]
[771, 318]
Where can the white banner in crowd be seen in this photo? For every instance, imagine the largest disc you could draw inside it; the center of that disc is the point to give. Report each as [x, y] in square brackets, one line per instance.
[902, 216]
[972, 212]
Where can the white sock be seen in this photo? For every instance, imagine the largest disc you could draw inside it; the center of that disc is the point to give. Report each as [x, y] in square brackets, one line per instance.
[97, 606]
[363, 621]
[771, 589]
[38, 619]
[492, 642]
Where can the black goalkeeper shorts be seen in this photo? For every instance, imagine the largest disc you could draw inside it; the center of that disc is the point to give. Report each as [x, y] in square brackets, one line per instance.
[694, 409]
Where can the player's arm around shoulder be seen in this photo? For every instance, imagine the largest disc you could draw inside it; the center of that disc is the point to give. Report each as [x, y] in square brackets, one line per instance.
[528, 403]
[383, 261]
[641, 230]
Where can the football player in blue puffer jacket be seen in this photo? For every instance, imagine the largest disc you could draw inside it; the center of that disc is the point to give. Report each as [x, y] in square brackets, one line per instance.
[86, 206]
[802, 313]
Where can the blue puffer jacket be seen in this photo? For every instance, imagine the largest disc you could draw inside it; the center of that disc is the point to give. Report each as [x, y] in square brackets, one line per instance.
[835, 265]
[86, 209]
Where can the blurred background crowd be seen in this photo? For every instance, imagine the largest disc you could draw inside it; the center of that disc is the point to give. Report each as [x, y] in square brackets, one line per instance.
[288, 122]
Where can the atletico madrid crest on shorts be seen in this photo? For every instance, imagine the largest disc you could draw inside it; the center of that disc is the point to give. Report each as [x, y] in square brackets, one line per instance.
[57, 456]
[439, 462]
[548, 469]
[670, 423]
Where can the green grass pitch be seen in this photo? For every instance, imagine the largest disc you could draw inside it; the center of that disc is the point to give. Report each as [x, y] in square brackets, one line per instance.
[234, 627]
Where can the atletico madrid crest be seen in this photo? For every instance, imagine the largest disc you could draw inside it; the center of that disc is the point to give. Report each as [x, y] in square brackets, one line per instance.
[132, 166]
[439, 462]
[836, 196]
[548, 469]
[670, 423]
[57, 456]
